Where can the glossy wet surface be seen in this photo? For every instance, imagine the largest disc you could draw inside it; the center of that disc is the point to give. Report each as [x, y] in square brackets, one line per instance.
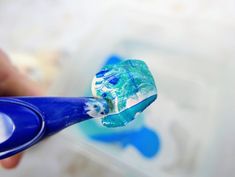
[129, 88]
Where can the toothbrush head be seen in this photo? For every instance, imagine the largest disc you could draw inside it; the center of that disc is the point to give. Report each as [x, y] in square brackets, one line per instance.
[128, 87]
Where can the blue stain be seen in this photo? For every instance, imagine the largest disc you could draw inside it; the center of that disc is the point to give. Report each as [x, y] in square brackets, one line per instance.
[104, 95]
[145, 140]
[113, 59]
[101, 73]
[114, 80]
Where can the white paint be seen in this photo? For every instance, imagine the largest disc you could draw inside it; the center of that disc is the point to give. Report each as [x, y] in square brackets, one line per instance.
[91, 110]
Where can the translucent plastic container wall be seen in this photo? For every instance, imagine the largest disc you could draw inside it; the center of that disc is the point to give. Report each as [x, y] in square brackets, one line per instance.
[189, 59]
[189, 47]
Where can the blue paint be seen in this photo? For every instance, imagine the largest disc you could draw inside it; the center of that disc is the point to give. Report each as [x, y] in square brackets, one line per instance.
[101, 73]
[113, 59]
[145, 140]
[113, 81]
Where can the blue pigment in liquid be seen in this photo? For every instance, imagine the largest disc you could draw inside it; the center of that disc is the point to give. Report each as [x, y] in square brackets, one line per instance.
[128, 87]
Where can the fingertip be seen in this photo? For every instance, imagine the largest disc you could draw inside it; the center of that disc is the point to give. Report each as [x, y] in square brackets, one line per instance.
[11, 162]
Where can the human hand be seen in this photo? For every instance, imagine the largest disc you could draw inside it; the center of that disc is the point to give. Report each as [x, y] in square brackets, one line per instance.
[13, 83]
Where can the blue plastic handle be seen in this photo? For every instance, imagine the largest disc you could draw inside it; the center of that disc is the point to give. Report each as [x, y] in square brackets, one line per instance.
[24, 121]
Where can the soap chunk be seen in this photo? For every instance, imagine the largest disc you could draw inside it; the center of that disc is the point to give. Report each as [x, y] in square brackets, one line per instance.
[128, 87]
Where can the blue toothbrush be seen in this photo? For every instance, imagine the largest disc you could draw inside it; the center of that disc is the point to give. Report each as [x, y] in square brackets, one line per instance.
[24, 121]
[121, 91]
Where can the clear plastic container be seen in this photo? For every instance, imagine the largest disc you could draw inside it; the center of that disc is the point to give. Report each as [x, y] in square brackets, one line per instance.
[189, 61]
[189, 47]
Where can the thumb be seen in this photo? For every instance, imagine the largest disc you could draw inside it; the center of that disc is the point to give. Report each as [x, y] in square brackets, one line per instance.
[13, 83]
